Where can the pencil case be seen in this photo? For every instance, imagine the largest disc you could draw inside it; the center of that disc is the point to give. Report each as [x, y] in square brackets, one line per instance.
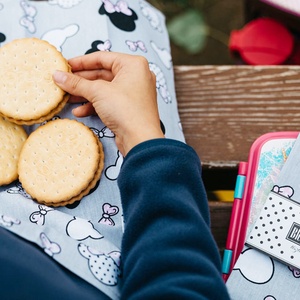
[253, 183]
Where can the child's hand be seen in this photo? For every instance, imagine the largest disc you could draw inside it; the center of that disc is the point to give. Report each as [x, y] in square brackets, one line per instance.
[121, 89]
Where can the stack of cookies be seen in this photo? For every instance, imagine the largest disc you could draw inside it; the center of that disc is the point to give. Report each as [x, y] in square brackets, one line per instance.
[61, 161]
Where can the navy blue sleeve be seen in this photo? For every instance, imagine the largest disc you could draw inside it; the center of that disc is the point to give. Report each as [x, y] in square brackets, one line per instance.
[28, 273]
[168, 251]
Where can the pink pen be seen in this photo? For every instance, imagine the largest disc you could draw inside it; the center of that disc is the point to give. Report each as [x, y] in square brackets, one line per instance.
[235, 222]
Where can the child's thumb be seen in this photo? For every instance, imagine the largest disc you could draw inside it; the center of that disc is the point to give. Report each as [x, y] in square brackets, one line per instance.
[71, 83]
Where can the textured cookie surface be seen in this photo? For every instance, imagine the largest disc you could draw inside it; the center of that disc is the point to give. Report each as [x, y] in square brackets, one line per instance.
[27, 90]
[60, 162]
[12, 139]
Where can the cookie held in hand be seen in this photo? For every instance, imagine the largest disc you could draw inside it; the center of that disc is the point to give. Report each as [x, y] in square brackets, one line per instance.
[28, 94]
[60, 162]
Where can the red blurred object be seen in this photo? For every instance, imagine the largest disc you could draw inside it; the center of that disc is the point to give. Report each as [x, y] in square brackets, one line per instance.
[263, 41]
[295, 57]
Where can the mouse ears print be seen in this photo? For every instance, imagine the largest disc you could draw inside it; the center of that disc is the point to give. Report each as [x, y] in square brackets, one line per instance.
[119, 14]
[99, 46]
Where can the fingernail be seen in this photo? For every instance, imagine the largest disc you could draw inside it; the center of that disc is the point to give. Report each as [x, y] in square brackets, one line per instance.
[59, 77]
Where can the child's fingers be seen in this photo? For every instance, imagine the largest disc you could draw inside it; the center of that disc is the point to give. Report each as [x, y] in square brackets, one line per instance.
[96, 60]
[95, 74]
[84, 110]
[75, 85]
[77, 99]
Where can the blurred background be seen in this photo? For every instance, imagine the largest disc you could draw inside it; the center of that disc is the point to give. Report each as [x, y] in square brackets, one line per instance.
[208, 24]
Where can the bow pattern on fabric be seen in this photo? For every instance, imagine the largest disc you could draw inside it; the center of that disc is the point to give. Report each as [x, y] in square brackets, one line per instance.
[120, 7]
[108, 212]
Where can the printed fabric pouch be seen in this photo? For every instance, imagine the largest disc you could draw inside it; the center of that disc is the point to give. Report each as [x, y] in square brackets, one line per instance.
[92, 227]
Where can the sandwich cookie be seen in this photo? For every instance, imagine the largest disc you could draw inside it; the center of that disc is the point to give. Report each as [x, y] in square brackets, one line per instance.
[60, 162]
[12, 139]
[28, 94]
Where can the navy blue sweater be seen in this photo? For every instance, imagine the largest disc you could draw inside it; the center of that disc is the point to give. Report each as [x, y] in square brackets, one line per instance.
[167, 252]
[168, 249]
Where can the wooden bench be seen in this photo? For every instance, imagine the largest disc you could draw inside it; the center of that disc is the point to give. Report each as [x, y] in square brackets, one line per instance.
[223, 109]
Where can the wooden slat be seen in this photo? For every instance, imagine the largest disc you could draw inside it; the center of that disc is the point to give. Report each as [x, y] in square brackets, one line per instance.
[223, 109]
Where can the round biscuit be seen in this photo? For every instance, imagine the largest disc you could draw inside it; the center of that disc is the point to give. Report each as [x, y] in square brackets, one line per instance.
[91, 185]
[12, 139]
[59, 161]
[27, 90]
